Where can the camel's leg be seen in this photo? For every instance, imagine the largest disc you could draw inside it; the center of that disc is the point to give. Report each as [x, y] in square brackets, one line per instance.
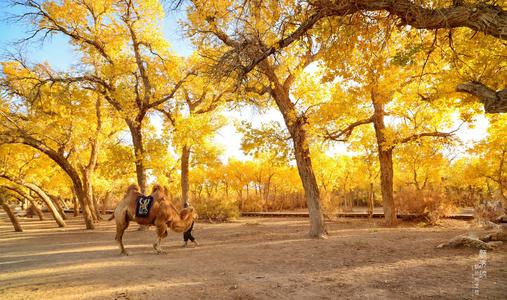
[161, 233]
[121, 226]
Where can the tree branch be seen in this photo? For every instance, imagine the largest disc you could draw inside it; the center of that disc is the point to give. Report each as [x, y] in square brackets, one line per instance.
[424, 134]
[343, 134]
[487, 18]
[494, 101]
[172, 93]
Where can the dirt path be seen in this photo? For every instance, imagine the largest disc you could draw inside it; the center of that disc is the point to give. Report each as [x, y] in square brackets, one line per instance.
[246, 259]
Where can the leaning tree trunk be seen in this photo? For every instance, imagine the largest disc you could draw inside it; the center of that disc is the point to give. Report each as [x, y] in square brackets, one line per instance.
[58, 206]
[33, 203]
[37, 211]
[185, 158]
[62, 161]
[385, 154]
[296, 126]
[137, 140]
[312, 194]
[56, 215]
[12, 217]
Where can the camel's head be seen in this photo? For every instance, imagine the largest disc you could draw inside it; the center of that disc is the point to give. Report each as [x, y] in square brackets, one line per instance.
[158, 192]
[133, 188]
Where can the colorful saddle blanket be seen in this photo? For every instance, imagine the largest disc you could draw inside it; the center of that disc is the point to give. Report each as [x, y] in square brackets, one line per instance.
[143, 206]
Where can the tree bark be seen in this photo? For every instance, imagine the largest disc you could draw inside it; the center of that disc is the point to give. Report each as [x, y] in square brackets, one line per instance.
[487, 18]
[56, 215]
[12, 217]
[58, 206]
[185, 158]
[38, 211]
[371, 197]
[385, 154]
[494, 101]
[137, 140]
[89, 207]
[76, 206]
[296, 126]
[106, 201]
[84, 202]
[96, 207]
[87, 172]
[15, 137]
[297, 129]
[75, 202]
[30, 199]
[42, 195]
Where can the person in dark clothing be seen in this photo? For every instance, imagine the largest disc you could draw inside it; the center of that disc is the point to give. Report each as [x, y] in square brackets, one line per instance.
[187, 235]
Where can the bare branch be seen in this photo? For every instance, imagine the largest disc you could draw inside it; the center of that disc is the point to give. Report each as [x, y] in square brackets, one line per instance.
[344, 134]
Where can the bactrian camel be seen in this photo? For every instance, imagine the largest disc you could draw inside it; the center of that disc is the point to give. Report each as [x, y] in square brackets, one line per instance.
[163, 215]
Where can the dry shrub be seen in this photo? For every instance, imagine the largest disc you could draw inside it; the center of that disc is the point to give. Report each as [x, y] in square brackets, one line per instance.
[256, 203]
[488, 211]
[253, 203]
[215, 208]
[428, 204]
[331, 204]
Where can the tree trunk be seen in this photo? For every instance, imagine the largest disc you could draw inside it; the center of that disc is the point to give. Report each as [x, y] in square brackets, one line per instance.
[296, 126]
[494, 101]
[386, 164]
[12, 217]
[88, 195]
[185, 157]
[59, 207]
[137, 140]
[76, 205]
[371, 197]
[106, 201]
[56, 215]
[37, 211]
[75, 202]
[30, 199]
[96, 207]
[84, 202]
[62, 161]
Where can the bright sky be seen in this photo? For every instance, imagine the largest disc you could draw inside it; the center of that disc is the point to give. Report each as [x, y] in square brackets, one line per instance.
[58, 53]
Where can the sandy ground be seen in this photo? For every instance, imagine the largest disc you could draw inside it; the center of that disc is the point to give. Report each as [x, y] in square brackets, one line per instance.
[245, 259]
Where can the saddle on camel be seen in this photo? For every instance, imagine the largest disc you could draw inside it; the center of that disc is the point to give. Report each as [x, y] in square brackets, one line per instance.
[154, 209]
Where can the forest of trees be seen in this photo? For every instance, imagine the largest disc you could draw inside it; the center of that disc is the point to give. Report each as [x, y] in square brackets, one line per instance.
[395, 82]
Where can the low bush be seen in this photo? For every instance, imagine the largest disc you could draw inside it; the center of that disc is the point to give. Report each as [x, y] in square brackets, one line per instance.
[428, 204]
